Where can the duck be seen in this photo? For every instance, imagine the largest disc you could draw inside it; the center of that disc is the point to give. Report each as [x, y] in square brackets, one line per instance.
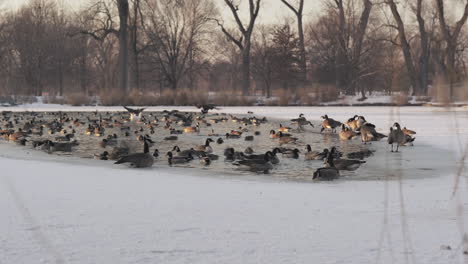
[219, 141]
[348, 164]
[315, 155]
[156, 153]
[178, 159]
[396, 136]
[65, 138]
[329, 172]
[329, 123]
[206, 148]
[346, 133]
[171, 138]
[138, 160]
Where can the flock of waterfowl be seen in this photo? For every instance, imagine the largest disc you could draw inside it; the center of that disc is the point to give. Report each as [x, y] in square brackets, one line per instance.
[115, 131]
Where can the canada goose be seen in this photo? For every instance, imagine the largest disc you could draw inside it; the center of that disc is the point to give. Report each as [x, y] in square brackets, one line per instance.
[257, 165]
[135, 114]
[329, 123]
[315, 155]
[396, 136]
[291, 153]
[178, 159]
[329, 172]
[119, 152]
[206, 107]
[346, 134]
[353, 123]
[368, 133]
[206, 148]
[360, 154]
[408, 132]
[230, 154]
[138, 160]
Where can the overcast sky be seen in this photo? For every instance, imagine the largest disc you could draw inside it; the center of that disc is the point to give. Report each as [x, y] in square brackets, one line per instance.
[271, 10]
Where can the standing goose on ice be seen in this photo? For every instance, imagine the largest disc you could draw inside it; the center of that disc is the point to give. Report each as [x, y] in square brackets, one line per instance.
[138, 160]
[396, 136]
[329, 123]
[368, 133]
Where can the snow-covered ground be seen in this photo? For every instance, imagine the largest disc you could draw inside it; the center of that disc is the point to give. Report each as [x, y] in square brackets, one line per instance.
[67, 210]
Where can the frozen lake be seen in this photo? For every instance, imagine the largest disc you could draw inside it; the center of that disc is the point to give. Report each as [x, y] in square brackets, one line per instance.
[72, 210]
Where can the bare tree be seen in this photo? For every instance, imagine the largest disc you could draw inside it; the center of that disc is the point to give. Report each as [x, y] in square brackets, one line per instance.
[122, 6]
[299, 15]
[177, 30]
[451, 40]
[262, 59]
[405, 46]
[244, 41]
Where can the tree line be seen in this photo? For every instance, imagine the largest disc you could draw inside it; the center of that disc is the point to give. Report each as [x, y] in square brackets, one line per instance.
[353, 47]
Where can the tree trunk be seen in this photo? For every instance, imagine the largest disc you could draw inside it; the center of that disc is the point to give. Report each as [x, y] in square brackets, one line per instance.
[424, 56]
[246, 70]
[136, 6]
[415, 81]
[303, 59]
[123, 44]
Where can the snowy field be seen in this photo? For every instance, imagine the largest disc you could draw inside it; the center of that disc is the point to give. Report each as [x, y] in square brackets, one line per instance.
[69, 210]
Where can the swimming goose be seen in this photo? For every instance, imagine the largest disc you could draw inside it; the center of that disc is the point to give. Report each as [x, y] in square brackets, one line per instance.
[138, 160]
[396, 136]
[329, 123]
[178, 159]
[315, 155]
[206, 148]
[257, 165]
[347, 164]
